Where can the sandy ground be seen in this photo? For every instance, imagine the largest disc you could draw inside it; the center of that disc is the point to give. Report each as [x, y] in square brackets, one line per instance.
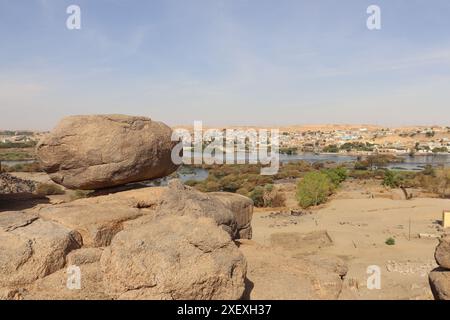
[358, 226]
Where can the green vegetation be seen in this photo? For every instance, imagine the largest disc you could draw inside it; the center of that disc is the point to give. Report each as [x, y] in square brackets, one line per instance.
[336, 175]
[8, 145]
[331, 149]
[440, 150]
[314, 189]
[390, 241]
[15, 156]
[48, 189]
[391, 180]
[288, 150]
[357, 146]
[23, 167]
[15, 133]
[376, 161]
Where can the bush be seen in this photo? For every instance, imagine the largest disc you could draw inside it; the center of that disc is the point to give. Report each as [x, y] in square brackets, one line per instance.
[336, 175]
[390, 180]
[314, 189]
[48, 189]
[257, 195]
[429, 171]
[390, 241]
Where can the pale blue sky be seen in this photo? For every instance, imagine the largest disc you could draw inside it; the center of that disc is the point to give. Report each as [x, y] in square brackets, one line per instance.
[240, 62]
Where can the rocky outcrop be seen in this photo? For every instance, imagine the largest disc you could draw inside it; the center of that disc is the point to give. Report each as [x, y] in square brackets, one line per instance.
[183, 200]
[442, 253]
[174, 257]
[100, 151]
[440, 284]
[97, 220]
[242, 208]
[129, 245]
[440, 277]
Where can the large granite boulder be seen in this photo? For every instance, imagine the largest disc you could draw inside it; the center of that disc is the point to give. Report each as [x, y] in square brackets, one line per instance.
[174, 257]
[99, 151]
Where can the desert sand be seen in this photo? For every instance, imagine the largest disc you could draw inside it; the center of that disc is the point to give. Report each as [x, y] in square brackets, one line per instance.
[358, 227]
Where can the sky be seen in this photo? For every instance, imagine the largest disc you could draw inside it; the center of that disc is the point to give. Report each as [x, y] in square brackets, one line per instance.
[226, 62]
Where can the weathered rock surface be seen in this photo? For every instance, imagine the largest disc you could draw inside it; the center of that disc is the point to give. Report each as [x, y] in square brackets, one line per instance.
[242, 208]
[174, 257]
[84, 256]
[183, 200]
[31, 249]
[99, 151]
[96, 219]
[54, 286]
[442, 253]
[440, 284]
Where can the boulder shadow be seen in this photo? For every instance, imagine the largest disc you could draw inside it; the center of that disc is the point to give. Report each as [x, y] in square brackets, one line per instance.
[249, 285]
[22, 201]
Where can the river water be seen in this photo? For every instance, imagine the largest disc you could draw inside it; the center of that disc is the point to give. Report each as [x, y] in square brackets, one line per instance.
[415, 163]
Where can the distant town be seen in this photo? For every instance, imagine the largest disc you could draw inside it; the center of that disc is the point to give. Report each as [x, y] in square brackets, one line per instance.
[343, 139]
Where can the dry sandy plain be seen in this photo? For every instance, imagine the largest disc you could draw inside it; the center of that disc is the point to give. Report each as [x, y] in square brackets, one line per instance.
[358, 220]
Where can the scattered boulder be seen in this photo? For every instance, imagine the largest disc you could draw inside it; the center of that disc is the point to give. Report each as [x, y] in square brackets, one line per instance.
[174, 257]
[439, 278]
[242, 208]
[442, 253]
[98, 151]
[440, 284]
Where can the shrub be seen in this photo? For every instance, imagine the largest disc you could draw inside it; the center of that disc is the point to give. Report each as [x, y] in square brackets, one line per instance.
[48, 189]
[429, 171]
[314, 189]
[257, 195]
[390, 180]
[390, 241]
[336, 175]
